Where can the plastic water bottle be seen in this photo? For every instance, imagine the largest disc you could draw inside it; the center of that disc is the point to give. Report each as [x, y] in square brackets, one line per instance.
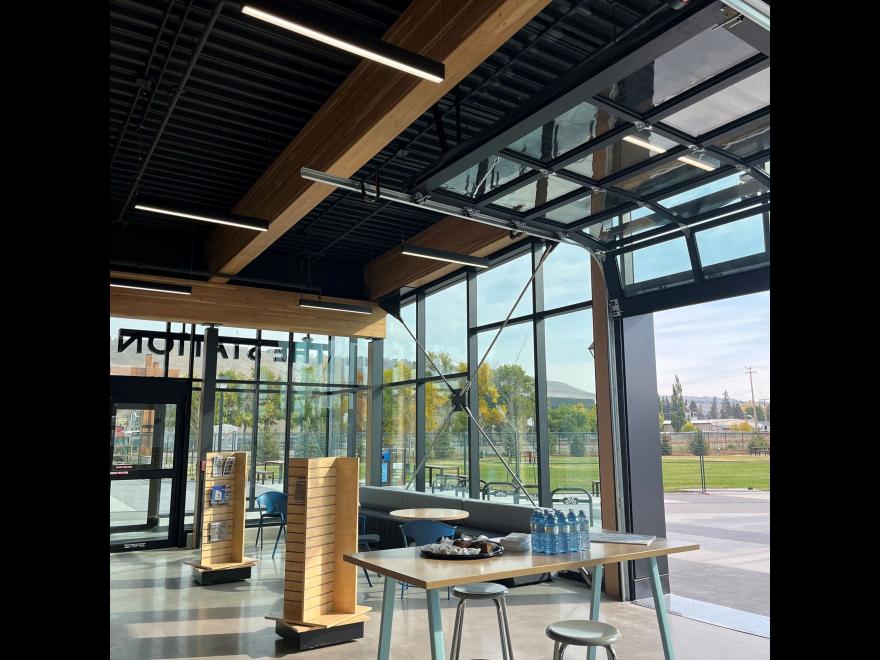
[574, 533]
[584, 524]
[551, 532]
[563, 533]
[537, 527]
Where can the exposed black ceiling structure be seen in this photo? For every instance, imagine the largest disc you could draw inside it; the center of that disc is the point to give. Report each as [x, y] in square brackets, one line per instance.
[504, 141]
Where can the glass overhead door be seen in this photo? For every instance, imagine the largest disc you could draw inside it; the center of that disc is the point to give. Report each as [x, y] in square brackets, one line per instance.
[147, 465]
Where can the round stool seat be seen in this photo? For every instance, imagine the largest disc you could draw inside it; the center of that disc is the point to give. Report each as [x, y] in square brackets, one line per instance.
[479, 591]
[583, 633]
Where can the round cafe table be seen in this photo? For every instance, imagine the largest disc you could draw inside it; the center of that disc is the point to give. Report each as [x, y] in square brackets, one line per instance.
[430, 514]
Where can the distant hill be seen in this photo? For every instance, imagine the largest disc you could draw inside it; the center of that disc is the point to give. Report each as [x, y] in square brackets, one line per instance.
[559, 390]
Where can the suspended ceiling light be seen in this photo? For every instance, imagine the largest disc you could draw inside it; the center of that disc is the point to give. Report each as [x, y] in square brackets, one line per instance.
[378, 51]
[443, 255]
[335, 306]
[234, 221]
[120, 283]
[632, 139]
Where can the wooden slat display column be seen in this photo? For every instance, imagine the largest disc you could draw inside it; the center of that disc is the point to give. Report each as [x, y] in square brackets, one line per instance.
[217, 555]
[320, 589]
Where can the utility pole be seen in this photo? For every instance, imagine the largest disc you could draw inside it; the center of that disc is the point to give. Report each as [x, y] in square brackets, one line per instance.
[750, 371]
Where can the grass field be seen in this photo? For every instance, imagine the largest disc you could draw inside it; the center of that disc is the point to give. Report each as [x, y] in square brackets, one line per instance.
[679, 472]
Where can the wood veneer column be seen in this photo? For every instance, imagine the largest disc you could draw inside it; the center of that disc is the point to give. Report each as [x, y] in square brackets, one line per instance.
[602, 359]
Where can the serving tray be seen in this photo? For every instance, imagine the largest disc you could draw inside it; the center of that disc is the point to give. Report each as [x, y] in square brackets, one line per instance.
[433, 555]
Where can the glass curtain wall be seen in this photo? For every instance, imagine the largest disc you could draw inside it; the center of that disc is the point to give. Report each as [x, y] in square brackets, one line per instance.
[549, 336]
[278, 393]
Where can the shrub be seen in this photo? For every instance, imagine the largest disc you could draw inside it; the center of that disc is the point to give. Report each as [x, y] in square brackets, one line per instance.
[758, 441]
[665, 446]
[697, 445]
[577, 446]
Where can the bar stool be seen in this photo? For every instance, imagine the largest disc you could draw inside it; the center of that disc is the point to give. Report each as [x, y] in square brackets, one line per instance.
[578, 632]
[482, 591]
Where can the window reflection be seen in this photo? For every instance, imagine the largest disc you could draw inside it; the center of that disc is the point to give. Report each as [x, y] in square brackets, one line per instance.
[506, 391]
[446, 329]
[572, 426]
[498, 287]
[698, 59]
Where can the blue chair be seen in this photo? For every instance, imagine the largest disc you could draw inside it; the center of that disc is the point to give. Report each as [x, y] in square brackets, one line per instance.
[364, 540]
[275, 504]
[424, 532]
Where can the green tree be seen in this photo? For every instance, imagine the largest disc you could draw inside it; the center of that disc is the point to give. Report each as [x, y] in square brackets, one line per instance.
[726, 408]
[736, 411]
[576, 420]
[697, 445]
[271, 412]
[665, 445]
[713, 411]
[661, 421]
[678, 417]
[692, 408]
[516, 393]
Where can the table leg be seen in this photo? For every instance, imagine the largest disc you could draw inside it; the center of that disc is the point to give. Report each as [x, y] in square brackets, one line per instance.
[660, 608]
[435, 625]
[387, 615]
[595, 598]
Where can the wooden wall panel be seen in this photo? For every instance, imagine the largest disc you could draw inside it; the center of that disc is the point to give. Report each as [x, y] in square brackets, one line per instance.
[242, 306]
[603, 417]
[394, 270]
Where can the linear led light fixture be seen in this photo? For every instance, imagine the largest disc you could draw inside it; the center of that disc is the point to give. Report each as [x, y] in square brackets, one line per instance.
[141, 285]
[632, 139]
[335, 306]
[376, 50]
[443, 255]
[233, 221]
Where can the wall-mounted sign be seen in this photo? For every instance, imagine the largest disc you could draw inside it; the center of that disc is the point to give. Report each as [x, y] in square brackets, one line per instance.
[303, 351]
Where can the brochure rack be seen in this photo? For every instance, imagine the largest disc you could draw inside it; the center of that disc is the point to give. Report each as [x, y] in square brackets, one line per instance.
[222, 557]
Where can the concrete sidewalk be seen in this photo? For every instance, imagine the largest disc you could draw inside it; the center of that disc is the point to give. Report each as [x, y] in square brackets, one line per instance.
[732, 567]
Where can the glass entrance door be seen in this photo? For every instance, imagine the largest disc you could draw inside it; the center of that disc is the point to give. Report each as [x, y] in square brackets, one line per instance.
[147, 470]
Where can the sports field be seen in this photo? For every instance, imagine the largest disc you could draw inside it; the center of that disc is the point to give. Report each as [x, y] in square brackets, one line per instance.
[679, 472]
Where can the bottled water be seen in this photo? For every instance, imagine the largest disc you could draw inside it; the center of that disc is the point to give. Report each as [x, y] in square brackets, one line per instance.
[551, 534]
[562, 523]
[584, 524]
[574, 533]
[537, 527]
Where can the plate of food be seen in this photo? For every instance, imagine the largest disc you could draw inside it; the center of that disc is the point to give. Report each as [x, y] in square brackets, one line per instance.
[466, 547]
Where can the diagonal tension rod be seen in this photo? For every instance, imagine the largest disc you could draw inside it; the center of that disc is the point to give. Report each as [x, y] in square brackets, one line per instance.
[547, 250]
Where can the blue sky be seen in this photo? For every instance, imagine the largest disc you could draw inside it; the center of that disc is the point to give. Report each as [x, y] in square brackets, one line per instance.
[709, 346]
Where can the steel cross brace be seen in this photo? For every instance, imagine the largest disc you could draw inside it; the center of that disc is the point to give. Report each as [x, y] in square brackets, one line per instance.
[458, 396]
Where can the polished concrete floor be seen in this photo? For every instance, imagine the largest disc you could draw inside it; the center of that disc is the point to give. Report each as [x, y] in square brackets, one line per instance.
[158, 612]
[732, 566]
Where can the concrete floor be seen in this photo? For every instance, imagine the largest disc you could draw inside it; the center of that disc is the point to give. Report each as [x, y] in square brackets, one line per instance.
[157, 612]
[732, 567]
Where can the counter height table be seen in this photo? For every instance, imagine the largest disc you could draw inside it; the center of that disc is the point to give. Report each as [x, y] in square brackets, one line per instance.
[405, 564]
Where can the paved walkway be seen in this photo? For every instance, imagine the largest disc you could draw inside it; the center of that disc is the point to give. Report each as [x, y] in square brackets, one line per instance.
[732, 567]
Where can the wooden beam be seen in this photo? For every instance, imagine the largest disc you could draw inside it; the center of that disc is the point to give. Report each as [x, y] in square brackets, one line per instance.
[371, 108]
[603, 359]
[243, 307]
[394, 270]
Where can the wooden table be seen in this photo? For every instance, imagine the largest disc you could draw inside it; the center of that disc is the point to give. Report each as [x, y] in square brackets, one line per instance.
[406, 565]
[429, 514]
